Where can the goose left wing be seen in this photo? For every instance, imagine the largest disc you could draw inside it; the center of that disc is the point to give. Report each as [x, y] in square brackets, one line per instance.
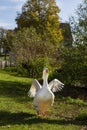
[34, 88]
[55, 85]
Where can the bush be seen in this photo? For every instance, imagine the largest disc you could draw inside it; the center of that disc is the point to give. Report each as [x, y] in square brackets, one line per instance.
[73, 68]
[34, 68]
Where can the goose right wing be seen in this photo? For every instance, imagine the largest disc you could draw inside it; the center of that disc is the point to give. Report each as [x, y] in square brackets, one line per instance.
[34, 88]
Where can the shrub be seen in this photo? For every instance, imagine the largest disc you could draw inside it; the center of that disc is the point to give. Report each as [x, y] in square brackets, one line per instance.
[34, 67]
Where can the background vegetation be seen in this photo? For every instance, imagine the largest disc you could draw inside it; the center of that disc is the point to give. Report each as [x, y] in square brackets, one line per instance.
[38, 42]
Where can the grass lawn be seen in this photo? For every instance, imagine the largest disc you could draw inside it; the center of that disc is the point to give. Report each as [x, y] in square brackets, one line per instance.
[17, 112]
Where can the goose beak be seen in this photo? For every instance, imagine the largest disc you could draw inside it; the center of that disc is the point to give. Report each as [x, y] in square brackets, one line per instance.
[47, 71]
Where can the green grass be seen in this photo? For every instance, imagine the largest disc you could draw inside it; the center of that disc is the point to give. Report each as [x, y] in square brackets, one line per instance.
[17, 112]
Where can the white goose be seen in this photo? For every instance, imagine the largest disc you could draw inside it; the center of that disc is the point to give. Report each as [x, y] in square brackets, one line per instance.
[43, 95]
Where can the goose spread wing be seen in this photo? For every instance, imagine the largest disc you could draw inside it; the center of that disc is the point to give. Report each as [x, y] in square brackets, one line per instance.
[55, 85]
[34, 88]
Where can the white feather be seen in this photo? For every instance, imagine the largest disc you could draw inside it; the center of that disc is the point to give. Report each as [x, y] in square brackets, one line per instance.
[34, 88]
[55, 85]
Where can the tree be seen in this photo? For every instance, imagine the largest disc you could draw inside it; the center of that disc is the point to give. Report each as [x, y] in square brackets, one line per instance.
[6, 37]
[43, 16]
[79, 29]
[73, 68]
[75, 59]
[3, 42]
[9, 38]
[79, 24]
[31, 52]
[28, 44]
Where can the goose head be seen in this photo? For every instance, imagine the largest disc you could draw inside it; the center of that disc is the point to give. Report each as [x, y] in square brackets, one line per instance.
[45, 73]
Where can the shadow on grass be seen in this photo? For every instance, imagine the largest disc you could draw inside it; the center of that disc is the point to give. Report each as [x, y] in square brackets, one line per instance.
[14, 89]
[7, 118]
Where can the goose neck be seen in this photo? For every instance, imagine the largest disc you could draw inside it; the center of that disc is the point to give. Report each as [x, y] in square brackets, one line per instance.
[45, 82]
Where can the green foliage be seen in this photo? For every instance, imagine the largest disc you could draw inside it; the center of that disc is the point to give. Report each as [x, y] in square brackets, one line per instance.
[9, 38]
[28, 44]
[73, 66]
[31, 52]
[6, 37]
[73, 70]
[43, 16]
[38, 35]
[33, 68]
[79, 24]
[3, 42]
[76, 60]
